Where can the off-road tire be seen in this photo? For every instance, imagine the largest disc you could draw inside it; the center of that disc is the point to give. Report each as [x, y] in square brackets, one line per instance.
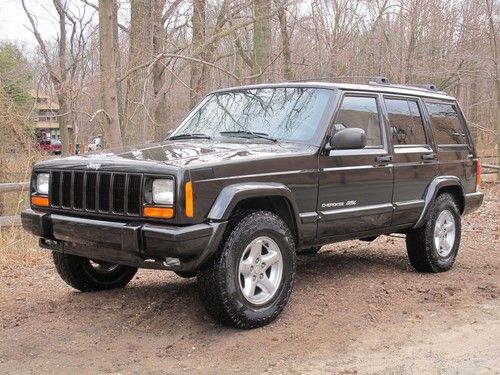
[218, 280]
[420, 245]
[80, 274]
[309, 251]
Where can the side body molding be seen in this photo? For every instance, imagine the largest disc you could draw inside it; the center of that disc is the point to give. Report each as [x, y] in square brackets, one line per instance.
[431, 193]
[231, 195]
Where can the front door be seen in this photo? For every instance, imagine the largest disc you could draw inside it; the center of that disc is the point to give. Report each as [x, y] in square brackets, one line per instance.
[355, 186]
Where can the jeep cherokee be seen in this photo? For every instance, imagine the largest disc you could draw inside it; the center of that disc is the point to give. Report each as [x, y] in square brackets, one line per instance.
[254, 175]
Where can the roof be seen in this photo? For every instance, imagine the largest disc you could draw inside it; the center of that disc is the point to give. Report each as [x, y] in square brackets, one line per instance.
[383, 88]
[45, 102]
[50, 105]
[48, 125]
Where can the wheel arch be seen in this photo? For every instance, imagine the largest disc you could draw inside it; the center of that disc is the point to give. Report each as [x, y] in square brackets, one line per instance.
[273, 197]
[440, 185]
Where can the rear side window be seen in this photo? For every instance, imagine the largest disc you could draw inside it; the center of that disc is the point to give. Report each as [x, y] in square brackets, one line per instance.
[360, 112]
[407, 127]
[446, 124]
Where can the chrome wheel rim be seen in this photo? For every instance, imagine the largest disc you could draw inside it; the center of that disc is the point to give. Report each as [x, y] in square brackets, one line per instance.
[260, 270]
[444, 233]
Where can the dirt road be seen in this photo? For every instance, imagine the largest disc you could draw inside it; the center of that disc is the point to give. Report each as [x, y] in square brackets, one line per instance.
[356, 308]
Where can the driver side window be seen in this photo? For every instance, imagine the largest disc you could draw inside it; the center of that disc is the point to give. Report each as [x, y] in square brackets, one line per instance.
[360, 112]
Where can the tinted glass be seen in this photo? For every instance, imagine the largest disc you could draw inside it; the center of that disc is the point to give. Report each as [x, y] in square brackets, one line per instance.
[360, 112]
[446, 124]
[407, 127]
[293, 113]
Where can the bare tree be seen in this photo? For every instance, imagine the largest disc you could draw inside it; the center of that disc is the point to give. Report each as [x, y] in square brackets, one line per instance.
[58, 73]
[135, 121]
[109, 89]
[198, 21]
[285, 39]
[261, 38]
[174, 51]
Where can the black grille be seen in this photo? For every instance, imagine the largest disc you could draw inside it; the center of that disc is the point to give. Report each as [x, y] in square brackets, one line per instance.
[55, 193]
[100, 192]
[104, 191]
[134, 195]
[66, 189]
[90, 190]
[118, 193]
[78, 190]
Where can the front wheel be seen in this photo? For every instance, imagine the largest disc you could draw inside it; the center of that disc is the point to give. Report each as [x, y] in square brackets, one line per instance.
[88, 275]
[434, 246]
[248, 282]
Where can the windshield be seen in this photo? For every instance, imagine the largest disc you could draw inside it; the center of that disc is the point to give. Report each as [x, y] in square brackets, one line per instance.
[291, 114]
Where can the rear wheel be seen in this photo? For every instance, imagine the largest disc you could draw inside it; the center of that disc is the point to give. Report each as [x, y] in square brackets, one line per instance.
[434, 246]
[248, 282]
[88, 275]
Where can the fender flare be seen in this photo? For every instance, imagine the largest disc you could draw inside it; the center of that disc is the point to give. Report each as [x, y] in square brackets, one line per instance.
[431, 192]
[231, 195]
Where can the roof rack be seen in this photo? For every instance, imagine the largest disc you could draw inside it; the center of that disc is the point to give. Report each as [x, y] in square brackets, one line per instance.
[377, 80]
[418, 87]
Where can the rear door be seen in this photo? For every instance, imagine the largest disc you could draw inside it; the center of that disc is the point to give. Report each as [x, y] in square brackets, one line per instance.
[415, 159]
[355, 186]
[453, 142]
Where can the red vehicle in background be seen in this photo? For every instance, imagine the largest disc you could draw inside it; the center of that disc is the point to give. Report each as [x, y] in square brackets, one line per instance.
[53, 146]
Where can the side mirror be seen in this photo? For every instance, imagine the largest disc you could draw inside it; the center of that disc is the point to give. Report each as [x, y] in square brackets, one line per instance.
[348, 139]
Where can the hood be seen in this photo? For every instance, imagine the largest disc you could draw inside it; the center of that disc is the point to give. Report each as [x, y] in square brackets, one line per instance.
[181, 154]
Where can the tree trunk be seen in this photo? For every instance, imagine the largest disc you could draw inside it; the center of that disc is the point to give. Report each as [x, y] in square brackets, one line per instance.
[198, 21]
[109, 87]
[285, 41]
[159, 111]
[62, 85]
[261, 38]
[118, 63]
[136, 122]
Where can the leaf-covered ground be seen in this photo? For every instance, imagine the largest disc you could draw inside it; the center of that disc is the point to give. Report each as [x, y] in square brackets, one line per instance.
[357, 307]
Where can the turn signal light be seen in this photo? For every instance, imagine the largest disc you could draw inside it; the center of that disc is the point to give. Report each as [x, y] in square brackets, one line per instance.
[189, 199]
[37, 200]
[159, 212]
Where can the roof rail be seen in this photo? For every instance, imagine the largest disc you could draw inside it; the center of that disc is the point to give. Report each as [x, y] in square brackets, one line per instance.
[376, 79]
[418, 87]
[426, 86]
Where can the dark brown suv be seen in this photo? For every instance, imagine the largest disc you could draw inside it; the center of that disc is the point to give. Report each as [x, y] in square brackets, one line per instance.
[255, 175]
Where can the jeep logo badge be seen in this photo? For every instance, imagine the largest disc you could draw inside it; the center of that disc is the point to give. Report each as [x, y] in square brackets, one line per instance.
[95, 166]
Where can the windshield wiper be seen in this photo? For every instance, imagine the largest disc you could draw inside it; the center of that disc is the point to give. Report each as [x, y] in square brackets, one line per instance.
[190, 135]
[249, 134]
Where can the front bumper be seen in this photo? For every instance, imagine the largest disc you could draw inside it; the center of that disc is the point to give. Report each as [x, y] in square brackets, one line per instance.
[136, 244]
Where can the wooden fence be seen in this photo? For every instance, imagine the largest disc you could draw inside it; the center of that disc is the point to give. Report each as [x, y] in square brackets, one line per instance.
[12, 221]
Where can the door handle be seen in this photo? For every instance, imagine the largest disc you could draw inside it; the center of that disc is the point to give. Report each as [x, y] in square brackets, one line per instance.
[429, 157]
[383, 159]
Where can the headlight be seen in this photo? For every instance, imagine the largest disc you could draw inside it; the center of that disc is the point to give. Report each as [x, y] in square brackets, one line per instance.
[163, 191]
[42, 183]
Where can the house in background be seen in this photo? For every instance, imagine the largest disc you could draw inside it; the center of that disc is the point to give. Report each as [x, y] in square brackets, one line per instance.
[45, 116]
